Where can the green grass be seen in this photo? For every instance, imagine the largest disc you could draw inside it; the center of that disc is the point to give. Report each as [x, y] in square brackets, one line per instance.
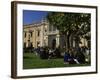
[31, 61]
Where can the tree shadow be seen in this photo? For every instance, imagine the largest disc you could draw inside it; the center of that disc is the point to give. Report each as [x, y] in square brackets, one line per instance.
[27, 57]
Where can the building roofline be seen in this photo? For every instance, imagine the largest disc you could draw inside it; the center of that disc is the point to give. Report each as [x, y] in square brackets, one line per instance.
[33, 25]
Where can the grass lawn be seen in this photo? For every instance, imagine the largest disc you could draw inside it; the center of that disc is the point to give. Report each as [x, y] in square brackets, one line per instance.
[31, 61]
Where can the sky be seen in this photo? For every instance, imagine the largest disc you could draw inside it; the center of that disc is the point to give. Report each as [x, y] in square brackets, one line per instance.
[30, 16]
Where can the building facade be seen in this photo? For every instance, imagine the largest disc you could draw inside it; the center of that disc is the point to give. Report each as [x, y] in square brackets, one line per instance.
[43, 34]
[35, 35]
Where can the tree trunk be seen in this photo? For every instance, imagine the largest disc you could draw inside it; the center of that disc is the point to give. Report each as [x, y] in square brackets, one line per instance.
[71, 40]
[68, 41]
[77, 40]
[67, 36]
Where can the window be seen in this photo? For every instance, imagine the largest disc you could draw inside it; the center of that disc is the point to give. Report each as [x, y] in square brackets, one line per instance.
[31, 45]
[45, 30]
[38, 34]
[50, 27]
[31, 34]
[25, 34]
[54, 28]
[38, 44]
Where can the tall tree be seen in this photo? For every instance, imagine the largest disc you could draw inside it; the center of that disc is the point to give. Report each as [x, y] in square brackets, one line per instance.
[70, 24]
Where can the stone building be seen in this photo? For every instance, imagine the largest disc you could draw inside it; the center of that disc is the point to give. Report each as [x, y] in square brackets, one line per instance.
[35, 35]
[43, 34]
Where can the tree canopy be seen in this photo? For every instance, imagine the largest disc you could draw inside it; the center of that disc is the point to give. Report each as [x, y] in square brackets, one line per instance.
[70, 23]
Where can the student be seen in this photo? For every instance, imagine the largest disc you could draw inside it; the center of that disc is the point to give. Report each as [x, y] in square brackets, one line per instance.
[66, 57]
[71, 57]
[75, 58]
[80, 57]
[50, 55]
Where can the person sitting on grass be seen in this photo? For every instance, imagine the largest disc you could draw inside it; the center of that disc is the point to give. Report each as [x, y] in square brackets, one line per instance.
[75, 58]
[50, 55]
[71, 58]
[66, 57]
[80, 57]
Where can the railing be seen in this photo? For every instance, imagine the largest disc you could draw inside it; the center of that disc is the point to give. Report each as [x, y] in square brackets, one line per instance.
[52, 32]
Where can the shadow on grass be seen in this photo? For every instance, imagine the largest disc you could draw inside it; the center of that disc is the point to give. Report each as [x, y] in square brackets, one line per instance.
[27, 57]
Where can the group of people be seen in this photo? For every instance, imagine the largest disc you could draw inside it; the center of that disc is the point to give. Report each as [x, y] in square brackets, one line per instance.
[48, 53]
[74, 56]
[71, 56]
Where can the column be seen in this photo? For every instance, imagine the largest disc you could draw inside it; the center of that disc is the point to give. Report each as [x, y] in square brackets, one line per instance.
[57, 40]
